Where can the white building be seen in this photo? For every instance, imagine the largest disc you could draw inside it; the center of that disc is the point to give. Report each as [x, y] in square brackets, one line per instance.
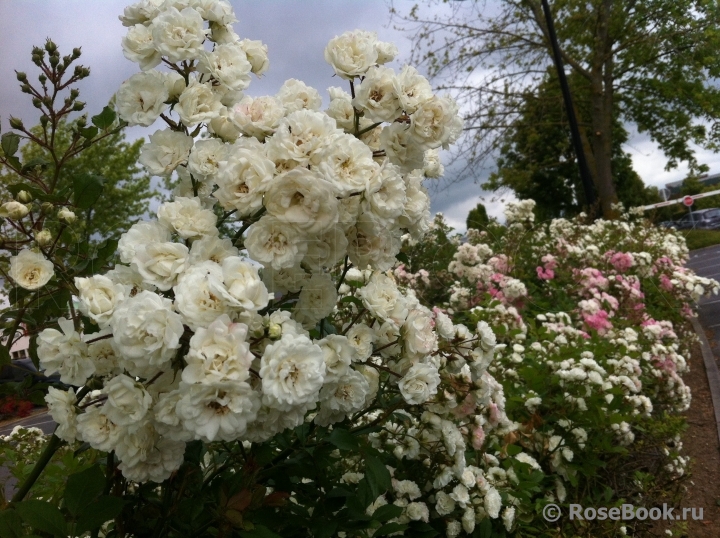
[21, 348]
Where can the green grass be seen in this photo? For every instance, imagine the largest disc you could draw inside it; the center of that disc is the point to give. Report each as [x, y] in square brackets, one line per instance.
[701, 238]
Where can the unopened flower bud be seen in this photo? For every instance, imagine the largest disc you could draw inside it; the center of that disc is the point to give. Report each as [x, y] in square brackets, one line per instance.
[13, 210]
[16, 123]
[43, 238]
[47, 207]
[24, 197]
[66, 215]
[274, 331]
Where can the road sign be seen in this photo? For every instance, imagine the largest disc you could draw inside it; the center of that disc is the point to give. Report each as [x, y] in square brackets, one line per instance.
[688, 201]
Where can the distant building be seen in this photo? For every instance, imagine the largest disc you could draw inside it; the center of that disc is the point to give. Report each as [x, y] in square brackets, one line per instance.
[673, 188]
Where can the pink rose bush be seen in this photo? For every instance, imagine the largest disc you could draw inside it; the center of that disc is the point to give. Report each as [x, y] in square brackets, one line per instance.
[593, 338]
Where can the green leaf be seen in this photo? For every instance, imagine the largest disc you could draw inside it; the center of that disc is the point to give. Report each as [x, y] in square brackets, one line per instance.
[323, 528]
[402, 258]
[259, 531]
[87, 189]
[105, 119]
[10, 524]
[95, 514]
[377, 475]
[42, 516]
[389, 528]
[388, 511]
[32, 163]
[343, 439]
[351, 299]
[83, 488]
[483, 529]
[10, 142]
[88, 132]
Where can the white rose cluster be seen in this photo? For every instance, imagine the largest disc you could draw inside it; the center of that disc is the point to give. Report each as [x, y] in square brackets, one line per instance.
[198, 336]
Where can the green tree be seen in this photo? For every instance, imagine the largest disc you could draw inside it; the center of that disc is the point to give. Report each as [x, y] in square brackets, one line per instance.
[650, 63]
[537, 159]
[477, 218]
[126, 189]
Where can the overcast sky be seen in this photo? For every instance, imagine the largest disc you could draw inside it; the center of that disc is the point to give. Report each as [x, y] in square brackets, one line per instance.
[296, 32]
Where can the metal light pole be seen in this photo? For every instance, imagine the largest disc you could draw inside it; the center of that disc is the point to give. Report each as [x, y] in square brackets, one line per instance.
[572, 119]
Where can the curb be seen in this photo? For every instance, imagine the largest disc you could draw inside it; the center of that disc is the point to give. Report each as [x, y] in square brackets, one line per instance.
[711, 369]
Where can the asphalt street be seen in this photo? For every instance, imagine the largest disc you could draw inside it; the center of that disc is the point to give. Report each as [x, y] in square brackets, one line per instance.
[706, 262]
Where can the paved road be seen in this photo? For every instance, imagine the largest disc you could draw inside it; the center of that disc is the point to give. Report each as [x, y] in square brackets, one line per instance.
[706, 262]
[41, 420]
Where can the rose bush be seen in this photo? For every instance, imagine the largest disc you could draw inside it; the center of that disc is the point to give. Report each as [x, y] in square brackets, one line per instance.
[591, 321]
[249, 367]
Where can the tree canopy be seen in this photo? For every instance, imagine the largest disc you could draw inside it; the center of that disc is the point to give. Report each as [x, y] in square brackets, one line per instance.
[650, 63]
[126, 192]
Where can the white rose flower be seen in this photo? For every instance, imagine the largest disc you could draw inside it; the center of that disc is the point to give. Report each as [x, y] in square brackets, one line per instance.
[342, 397]
[444, 504]
[198, 103]
[199, 295]
[61, 406]
[188, 218]
[30, 270]
[243, 287]
[224, 126]
[301, 137]
[146, 332]
[284, 280]
[377, 95]
[418, 511]
[352, 53]
[493, 503]
[419, 384]
[384, 300]
[65, 215]
[228, 64]
[179, 35]
[338, 354]
[96, 429]
[139, 234]
[141, 99]
[419, 338]
[218, 353]
[272, 242]
[98, 297]
[205, 158]
[361, 338]
[432, 165]
[127, 400]
[295, 95]
[317, 299]
[242, 180]
[348, 165]
[271, 421]
[212, 248]
[165, 152]
[215, 11]
[13, 210]
[413, 89]
[257, 55]
[401, 148]
[386, 51]
[325, 250]
[43, 238]
[223, 33]
[141, 12]
[64, 353]
[292, 371]
[371, 243]
[160, 264]
[386, 195]
[444, 325]
[103, 356]
[220, 411]
[341, 109]
[144, 455]
[139, 47]
[257, 116]
[436, 123]
[303, 200]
